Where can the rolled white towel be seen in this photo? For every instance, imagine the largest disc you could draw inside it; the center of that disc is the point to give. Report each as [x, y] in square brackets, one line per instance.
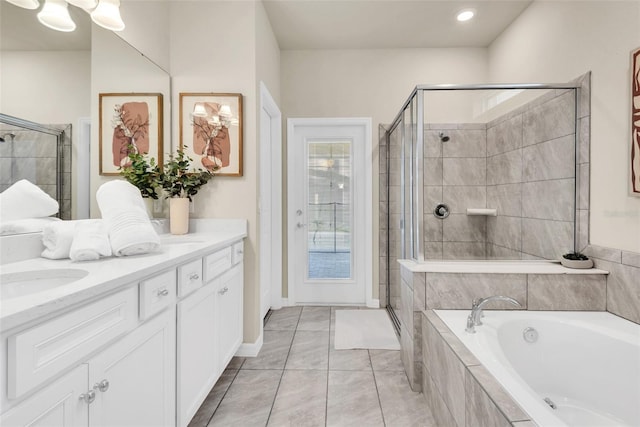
[26, 200]
[57, 238]
[131, 233]
[117, 195]
[90, 242]
[126, 219]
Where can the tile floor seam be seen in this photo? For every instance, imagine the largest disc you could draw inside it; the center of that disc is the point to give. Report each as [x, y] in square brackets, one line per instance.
[273, 402]
[223, 396]
[375, 382]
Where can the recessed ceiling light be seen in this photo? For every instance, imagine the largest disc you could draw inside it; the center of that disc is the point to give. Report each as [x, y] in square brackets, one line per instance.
[465, 15]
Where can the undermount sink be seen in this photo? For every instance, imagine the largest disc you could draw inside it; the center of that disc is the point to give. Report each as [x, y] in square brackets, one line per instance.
[14, 285]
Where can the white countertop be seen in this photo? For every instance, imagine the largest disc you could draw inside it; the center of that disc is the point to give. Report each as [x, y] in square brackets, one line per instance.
[108, 274]
[497, 267]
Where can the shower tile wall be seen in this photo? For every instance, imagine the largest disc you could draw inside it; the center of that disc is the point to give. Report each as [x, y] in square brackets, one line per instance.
[521, 164]
[531, 179]
[455, 173]
[33, 156]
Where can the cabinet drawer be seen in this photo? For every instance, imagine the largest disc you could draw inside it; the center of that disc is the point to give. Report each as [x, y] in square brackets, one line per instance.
[189, 277]
[41, 352]
[217, 263]
[157, 293]
[238, 252]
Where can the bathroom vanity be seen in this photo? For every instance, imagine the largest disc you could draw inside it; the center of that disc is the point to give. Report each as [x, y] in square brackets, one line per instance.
[134, 341]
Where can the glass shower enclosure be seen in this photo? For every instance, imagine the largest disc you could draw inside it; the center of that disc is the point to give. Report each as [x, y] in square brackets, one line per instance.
[481, 172]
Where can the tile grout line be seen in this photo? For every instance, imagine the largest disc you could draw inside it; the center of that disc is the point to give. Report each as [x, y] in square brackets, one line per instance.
[223, 396]
[375, 383]
[283, 369]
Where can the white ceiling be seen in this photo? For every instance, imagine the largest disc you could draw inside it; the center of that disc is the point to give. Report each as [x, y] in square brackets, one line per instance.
[314, 24]
[375, 24]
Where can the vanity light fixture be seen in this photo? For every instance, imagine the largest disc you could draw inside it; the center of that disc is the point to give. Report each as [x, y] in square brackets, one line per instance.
[84, 4]
[55, 15]
[465, 15]
[199, 110]
[107, 15]
[26, 4]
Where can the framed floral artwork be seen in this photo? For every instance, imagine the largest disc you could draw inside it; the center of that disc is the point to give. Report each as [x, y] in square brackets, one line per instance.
[635, 122]
[211, 131]
[129, 121]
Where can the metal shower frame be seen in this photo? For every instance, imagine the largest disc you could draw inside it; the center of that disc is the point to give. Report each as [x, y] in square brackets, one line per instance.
[417, 229]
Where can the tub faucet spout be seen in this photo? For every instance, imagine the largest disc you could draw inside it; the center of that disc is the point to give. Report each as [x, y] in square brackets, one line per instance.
[476, 310]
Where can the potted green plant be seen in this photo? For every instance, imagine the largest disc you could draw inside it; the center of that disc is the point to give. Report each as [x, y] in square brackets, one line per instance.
[143, 173]
[180, 183]
[576, 260]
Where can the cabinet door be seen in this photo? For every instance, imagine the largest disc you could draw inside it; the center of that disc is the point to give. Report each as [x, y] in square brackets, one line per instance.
[58, 404]
[197, 367]
[134, 378]
[229, 291]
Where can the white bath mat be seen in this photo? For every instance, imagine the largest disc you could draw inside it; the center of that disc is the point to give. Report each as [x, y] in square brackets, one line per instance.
[368, 329]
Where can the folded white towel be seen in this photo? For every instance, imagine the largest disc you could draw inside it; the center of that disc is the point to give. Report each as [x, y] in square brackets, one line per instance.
[26, 200]
[90, 242]
[57, 238]
[126, 219]
[131, 232]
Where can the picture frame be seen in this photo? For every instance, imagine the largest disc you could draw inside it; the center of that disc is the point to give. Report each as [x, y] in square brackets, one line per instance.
[635, 123]
[129, 119]
[211, 130]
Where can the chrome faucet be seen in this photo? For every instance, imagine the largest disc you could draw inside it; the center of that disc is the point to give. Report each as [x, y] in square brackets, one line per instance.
[476, 310]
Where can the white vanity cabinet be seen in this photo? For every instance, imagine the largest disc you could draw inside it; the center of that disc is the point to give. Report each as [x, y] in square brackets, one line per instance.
[209, 329]
[54, 405]
[145, 354]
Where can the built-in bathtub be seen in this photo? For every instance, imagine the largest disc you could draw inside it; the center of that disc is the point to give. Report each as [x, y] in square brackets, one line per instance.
[586, 364]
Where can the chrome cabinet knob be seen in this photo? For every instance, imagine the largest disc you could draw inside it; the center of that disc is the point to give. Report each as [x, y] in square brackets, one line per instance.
[163, 292]
[88, 397]
[194, 276]
[102, 386]
[223, 290]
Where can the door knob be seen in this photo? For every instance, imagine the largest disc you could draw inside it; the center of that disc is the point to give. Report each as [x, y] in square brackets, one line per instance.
[300, 225]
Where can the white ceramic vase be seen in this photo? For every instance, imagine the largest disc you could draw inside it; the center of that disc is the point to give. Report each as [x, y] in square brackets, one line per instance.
[179, 215]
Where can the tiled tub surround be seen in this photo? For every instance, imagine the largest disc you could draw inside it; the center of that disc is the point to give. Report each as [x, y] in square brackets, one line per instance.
[482, 386]
[537, 285]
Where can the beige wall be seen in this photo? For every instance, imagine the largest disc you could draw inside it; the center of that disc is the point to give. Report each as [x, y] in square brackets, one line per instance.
[560, 40]
[369, 83]
[117, 68]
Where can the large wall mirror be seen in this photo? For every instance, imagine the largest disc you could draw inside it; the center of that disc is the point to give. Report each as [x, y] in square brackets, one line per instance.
[54, 79]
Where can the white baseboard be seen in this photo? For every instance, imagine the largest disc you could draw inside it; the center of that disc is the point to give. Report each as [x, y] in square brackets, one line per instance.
[248, 349]
[373, 303]
[285, 302]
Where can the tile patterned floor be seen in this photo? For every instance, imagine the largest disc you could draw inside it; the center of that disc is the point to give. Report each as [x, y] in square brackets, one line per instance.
[298, 379]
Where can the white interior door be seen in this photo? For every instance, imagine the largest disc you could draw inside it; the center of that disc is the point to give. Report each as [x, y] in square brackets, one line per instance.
[270, 203]
[329, 189]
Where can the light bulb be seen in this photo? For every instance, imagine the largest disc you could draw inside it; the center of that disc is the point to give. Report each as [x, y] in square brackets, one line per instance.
[25, 4]
[465, 15]
[107, 15]
[199, 110]
[84, 4]
[225, 111]
[55, 15]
